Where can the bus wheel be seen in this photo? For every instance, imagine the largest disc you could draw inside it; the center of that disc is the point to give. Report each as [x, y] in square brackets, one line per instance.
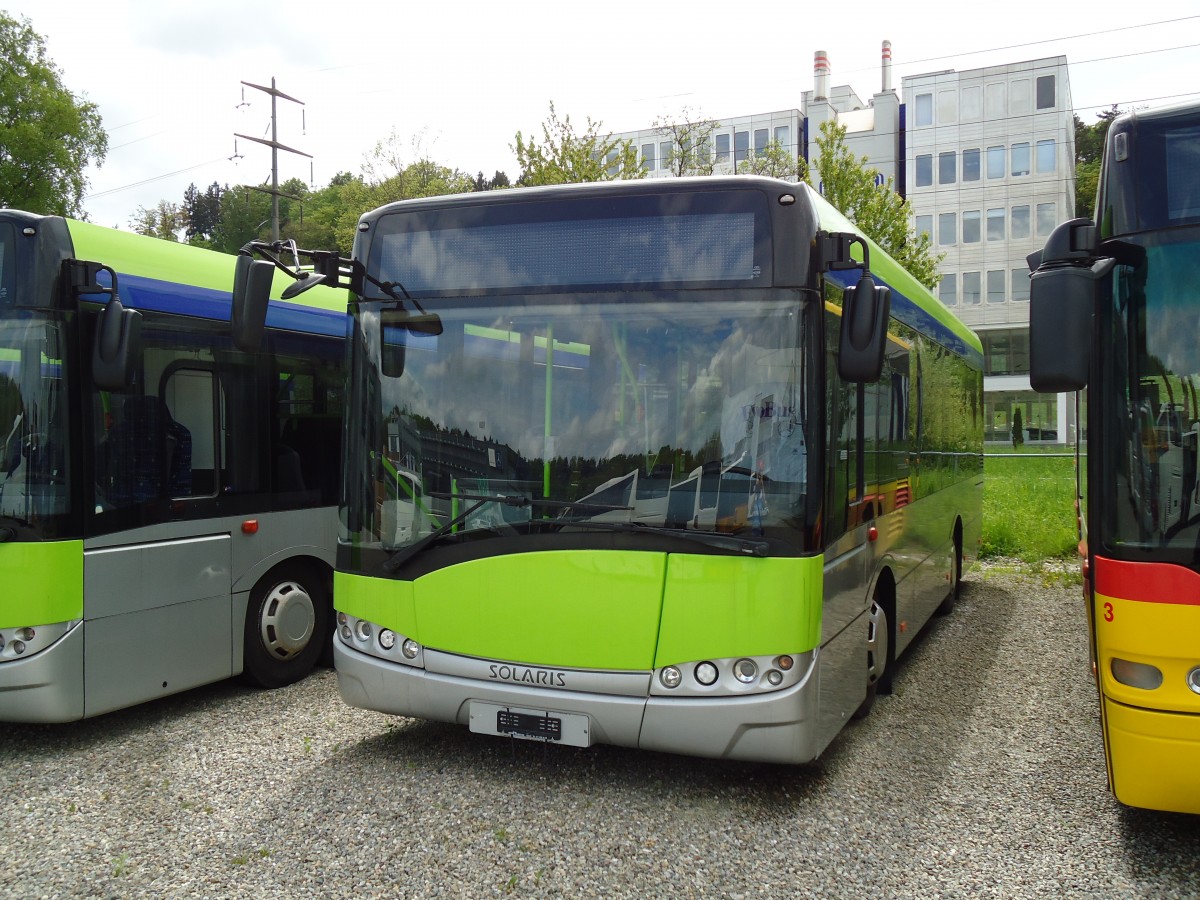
[947, 605]
[877, 657]
[287, 623]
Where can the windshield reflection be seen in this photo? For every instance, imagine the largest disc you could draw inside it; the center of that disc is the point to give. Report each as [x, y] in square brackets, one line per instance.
[688, 415]
[33, 424]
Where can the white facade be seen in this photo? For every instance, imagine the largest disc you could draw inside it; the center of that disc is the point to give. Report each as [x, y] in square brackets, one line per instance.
[730, 141]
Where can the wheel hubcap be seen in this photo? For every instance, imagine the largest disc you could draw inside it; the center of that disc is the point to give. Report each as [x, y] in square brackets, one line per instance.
[288, 620]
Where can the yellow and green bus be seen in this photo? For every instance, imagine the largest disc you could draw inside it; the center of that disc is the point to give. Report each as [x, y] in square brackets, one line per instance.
[682, 466]
[167, 501]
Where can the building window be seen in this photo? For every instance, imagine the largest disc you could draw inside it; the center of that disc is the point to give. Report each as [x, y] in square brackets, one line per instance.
[947, 228]
[925, 226]
[924, 172]
[924, 110]
[1046, 216]
[971, 165]
[993, 101]
[947, 167]
[995, 224]
[1006, 352]
[648, 157]
[1018, 97]
[971, 289]
[1020, 285]
[722, 148]
[948, 290]
[666, 155]
[1045, 157]
[1020, 159]
[760, 141]
[972, 103]
[783, 136]
[1045, 92]
[970, 226]
[995, 162]
[741, 146]
[995, 286]
[947, 107]
[1020, 222]
[704, 150]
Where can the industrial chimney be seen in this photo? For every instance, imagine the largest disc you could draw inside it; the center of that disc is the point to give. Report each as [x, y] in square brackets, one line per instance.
[820, 75]
[887, 66]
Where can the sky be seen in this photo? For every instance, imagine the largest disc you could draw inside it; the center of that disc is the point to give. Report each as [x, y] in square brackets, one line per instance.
[456, 80]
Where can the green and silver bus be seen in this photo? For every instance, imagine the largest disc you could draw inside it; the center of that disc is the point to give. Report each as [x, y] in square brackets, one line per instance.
[167, 501]
[646, 464]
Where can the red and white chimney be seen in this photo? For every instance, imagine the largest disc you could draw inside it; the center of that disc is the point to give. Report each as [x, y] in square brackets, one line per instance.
[887, 66]
[820, 75]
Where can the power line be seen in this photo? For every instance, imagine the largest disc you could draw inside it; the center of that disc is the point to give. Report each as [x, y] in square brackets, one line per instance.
[127, 187]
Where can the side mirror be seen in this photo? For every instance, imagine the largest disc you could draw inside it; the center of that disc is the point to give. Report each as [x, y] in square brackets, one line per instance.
[863, 338]
[118, 346]
[251, 292]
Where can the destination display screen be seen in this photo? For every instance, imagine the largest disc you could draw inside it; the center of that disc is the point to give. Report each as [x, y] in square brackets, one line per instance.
[694, 239]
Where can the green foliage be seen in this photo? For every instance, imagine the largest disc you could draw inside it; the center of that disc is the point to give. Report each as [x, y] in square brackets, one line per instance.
[47, 136]
[164, 221]
[1089, 151]
[565, 157]
[202, 213]
[882, 214]
[775, 162]
[690, 139]
[1029, 507]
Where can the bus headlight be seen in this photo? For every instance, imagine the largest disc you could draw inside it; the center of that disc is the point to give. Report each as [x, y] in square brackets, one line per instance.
[387, 639]
[706, 673]
[1136, 674]
[1193, 679]
[745, 671]
[670, 677]
[363, 630]
[410, 649]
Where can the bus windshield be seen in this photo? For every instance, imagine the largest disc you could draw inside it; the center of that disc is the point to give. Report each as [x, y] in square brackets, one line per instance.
[581, 411]
[34, 491]
[1152, 381]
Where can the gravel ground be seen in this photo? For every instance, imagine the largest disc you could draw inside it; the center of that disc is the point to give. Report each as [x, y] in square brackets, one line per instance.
[982, 776]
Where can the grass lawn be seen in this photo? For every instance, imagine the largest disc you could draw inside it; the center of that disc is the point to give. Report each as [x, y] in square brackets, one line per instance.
[1029, 507]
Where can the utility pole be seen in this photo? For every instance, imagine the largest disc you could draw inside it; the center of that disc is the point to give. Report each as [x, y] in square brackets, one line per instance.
[275, 146]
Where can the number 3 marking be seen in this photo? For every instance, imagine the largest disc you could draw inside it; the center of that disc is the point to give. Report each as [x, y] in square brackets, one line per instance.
[1108, 612]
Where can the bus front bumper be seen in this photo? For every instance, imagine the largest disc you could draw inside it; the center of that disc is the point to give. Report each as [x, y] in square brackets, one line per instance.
[1155, 757]
[47, 686]
[773, 727]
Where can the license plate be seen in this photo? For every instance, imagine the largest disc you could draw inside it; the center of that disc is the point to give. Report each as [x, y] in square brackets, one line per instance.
[570, 729]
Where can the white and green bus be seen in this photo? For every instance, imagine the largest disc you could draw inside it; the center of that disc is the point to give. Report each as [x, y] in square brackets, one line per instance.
[682, 466]
[167, 501]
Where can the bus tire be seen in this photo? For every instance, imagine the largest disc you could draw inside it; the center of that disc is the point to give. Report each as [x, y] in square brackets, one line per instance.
[947, 605]
[878, 657]
[287, 626]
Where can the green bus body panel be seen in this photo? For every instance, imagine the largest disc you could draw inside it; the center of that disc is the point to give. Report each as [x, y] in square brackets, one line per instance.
[725, 606]
[893, 273]
[602, 609]
[42, 582]
[135, 254]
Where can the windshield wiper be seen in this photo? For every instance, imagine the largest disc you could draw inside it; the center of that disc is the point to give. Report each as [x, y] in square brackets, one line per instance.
[745, 546]
[480, 500]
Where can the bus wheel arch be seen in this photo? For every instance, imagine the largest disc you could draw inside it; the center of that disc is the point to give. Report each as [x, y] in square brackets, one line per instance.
[288, 623]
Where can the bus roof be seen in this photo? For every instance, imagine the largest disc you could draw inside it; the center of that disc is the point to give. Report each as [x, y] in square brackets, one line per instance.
[136, 258]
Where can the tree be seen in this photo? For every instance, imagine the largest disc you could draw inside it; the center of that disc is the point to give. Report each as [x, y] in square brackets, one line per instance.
[1089, 151]
[775, 162]
[202, 212]
[883, 215]
[163, 221]
[690, 143]
[1018, 432]
[47, 137]
[565, 157]
[496, 182]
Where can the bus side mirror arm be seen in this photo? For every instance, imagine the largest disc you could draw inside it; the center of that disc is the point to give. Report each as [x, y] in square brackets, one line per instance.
[866, 309]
